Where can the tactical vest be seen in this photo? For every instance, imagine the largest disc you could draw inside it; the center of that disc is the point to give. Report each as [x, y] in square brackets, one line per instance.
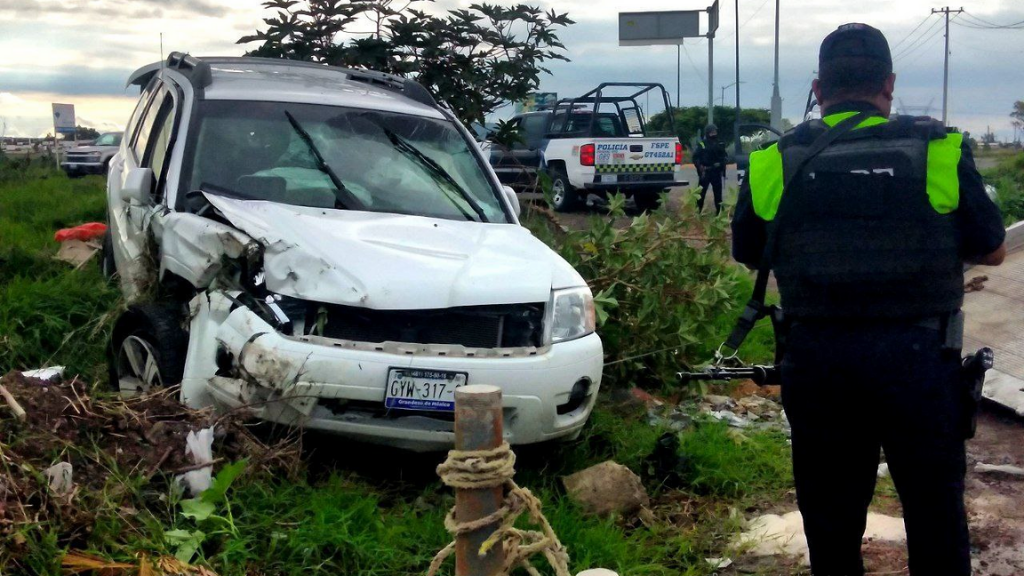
[868, 229]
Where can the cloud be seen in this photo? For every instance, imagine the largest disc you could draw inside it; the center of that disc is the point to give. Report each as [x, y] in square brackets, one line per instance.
[41, 9]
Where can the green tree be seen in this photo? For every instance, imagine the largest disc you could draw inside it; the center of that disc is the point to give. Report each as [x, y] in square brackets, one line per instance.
[1018, 119]
[472, 59]
[690, 121]
[86, 133]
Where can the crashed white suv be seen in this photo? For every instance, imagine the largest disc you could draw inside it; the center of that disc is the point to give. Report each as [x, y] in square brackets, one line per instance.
[328, 249]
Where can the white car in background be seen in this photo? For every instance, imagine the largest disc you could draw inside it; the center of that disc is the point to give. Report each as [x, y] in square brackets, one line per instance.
[328, 248]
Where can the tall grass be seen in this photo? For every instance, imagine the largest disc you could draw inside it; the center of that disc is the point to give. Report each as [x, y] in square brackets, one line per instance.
[50, 313]
[1008, 179]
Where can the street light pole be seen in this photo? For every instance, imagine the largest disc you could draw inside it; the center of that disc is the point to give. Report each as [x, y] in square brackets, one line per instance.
[736, 126]
[776, 116]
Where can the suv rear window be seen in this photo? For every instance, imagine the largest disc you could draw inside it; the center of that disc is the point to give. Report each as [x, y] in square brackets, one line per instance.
[386, 162]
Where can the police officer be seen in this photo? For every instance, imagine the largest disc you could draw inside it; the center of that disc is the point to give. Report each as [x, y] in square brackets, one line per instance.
[867, 246]
[710, 159]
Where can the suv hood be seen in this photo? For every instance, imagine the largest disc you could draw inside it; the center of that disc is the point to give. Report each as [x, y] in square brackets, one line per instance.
[87, 149]
[394, 261]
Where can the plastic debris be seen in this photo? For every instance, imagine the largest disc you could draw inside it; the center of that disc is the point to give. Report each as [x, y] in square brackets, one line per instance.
[719, 562]
[774, 535]
[59, 477]
[77, 252]
[200, 447]
[883, 470]
[84, 232]
[598, 572]
[49, 374]
[1006, 469]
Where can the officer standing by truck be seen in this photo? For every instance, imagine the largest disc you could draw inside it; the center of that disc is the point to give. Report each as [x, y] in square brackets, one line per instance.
[710, 159]
[866, 221]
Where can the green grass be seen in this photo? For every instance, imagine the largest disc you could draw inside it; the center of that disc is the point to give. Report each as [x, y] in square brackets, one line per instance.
[1008, 178]
[50, 313]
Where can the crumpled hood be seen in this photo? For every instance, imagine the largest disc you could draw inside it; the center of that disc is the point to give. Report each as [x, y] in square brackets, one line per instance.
[394, 261]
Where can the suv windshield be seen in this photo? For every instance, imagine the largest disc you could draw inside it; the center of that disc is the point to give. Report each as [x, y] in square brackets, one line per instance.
[333, 157]
[110, 139]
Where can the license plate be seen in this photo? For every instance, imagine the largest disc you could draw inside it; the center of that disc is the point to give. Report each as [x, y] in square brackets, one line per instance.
[632, 178]
[609, 178]
[419, 389]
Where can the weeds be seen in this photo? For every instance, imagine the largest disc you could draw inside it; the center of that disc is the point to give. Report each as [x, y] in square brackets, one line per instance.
[1008, 179]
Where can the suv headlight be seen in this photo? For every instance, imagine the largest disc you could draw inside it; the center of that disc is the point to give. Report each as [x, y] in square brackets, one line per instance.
[571, 314]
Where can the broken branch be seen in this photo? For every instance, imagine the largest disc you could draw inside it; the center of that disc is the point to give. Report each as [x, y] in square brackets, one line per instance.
[16, 408]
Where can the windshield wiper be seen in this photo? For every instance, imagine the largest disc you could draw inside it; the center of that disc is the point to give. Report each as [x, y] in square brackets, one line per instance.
[436, 168]
[343, 197]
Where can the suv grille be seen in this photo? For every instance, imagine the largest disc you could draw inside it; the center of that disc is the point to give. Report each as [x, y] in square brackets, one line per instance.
[503, 326]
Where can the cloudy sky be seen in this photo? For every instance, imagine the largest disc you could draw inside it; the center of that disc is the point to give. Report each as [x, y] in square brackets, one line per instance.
[81, 52]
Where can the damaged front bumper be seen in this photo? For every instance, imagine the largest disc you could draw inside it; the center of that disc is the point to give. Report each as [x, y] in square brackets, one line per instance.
[238, 360]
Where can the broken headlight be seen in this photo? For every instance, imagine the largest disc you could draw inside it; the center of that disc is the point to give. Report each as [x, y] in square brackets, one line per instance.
[571, 314]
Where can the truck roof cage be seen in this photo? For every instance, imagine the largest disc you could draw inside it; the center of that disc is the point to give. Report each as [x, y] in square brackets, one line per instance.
[199, 73]
[596, 97]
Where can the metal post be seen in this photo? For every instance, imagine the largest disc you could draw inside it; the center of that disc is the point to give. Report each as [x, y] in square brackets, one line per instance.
[478, 426]
[945, 69]
[678, 65]
[736, 126]
[776, 114]
[711, 78]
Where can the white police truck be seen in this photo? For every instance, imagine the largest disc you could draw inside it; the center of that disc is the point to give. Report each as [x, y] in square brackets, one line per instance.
[597, 143]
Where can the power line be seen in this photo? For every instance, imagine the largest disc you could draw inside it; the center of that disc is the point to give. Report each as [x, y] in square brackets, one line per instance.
[907, 37]
[692, 64]
[982, 23]
[922, 38]
[921, 42]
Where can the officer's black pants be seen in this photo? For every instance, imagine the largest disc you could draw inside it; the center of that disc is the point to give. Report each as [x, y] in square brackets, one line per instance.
[713, 179]
[850, 390]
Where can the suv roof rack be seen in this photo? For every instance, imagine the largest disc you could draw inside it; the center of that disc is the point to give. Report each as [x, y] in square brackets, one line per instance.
[199, 73]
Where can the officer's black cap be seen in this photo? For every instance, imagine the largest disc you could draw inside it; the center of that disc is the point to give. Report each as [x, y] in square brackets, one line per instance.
[855, 41]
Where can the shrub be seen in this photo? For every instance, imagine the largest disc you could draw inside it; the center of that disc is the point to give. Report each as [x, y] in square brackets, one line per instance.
[665, 290]
[1009, 183]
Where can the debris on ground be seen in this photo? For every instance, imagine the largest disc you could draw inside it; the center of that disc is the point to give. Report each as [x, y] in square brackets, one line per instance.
[77, 252]
[975, 284]
[200, 448]
[74, 446]
[752, 411]
[51, 373]
[607, 488]
[773, 535]
[1004, 469]
[883, 470]
[82, 232]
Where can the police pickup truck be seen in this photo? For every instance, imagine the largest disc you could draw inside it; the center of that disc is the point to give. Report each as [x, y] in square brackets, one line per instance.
[594, 144]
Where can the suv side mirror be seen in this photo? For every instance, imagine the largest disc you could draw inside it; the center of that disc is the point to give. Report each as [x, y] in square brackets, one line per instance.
[513, 199]
[138, 186]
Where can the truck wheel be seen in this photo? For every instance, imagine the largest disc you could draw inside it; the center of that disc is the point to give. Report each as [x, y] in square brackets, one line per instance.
[147, 349]
[648, 200]
[107, 265]
[563, 195]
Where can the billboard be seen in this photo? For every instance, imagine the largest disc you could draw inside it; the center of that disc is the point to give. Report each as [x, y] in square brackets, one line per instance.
[537, 101]
[646, 28]
[64, 118]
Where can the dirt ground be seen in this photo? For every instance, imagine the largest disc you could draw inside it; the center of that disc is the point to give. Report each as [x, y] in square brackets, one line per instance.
[995, 505]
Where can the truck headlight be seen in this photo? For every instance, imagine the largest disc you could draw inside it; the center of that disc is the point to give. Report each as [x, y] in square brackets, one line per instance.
[571, 315]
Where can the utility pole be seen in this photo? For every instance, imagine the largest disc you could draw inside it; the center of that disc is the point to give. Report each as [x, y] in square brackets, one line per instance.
[776, 116]
[736, 126]
[945, 70]
[711, 78]
[678, 64]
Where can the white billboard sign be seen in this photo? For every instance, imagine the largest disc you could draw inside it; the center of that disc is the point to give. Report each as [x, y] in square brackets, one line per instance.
[64, 118]
[646, 28]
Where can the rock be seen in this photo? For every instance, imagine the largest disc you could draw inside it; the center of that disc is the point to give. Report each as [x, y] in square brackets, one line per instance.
[607, 488]
[719, 402]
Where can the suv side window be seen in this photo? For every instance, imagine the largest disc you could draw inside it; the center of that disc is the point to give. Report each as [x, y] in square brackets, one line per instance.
[156, 151]
[534, 127]
[140, 108]
[148, 123]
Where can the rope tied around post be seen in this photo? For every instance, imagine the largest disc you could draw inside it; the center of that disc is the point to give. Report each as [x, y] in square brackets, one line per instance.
[481, 469]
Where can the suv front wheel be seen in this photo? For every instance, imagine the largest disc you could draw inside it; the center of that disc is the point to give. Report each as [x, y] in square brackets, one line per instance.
[147, 349]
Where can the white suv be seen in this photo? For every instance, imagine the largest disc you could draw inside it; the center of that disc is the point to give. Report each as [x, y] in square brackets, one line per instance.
[328, 248]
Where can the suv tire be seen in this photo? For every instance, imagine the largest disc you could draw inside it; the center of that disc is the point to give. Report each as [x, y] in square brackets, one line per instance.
[147, 349]
[564, 197]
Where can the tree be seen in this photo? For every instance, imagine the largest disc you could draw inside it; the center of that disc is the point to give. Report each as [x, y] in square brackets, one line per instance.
[86, 133]
[1018, 119]
[473, 60]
